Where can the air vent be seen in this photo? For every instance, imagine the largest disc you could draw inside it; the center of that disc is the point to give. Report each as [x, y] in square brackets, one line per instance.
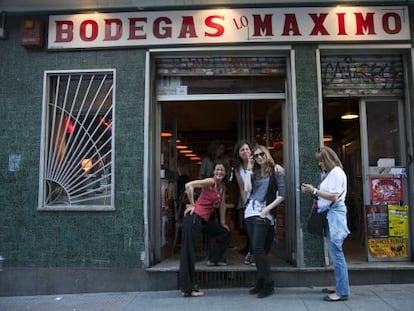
[224, 279]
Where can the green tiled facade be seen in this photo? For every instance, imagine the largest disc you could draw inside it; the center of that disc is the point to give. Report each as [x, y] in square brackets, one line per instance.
[101, 239]
[30, 238]
[308, 141]
[84, 243]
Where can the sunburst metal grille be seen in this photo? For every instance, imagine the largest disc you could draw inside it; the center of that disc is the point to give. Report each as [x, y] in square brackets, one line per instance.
[78, 140]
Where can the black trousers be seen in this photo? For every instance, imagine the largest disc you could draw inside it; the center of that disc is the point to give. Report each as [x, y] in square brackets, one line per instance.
[192, 226]
[261, 234]
[270, 237]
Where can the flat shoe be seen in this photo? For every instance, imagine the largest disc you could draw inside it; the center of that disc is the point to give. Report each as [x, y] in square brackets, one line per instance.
[337, 298]
[328, 290]
[215, 264]
[195, 293]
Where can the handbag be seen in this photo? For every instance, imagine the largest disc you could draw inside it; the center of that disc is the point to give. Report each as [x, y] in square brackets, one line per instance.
[317, 221]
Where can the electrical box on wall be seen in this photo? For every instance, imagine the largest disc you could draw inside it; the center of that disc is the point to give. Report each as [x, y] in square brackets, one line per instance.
[32, 33]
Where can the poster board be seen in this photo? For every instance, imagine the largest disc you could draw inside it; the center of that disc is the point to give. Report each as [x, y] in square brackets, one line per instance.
[386, 189]
[387, 220]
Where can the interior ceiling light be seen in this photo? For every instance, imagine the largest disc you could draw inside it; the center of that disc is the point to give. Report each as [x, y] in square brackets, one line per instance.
[186, 151]
[166, 134]
[349, 116]
[181, 147]
[327, 138]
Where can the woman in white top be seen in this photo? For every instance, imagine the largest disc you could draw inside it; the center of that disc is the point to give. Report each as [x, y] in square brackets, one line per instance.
[332, 189]
[243, 163]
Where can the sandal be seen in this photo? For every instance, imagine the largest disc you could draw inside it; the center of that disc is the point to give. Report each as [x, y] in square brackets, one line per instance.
[210, 263]
[249, 260]
[216, 264]
[194, 293]
[335, 297]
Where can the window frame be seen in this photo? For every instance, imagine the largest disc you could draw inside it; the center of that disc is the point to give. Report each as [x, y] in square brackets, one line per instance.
[45, 139]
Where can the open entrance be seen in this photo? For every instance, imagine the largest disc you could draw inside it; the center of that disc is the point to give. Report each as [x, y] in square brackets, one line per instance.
[213, 102]
[364, 122]
[199, 130]
[342, 133]
[368, 135]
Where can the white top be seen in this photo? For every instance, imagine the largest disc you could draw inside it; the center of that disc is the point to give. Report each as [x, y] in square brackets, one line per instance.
[334, 182]
[243, 174]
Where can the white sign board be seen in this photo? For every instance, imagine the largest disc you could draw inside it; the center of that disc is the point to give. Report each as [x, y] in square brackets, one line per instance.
[221, 26]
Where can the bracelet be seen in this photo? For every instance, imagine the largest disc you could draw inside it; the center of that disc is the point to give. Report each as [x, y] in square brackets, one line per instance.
[314, 191]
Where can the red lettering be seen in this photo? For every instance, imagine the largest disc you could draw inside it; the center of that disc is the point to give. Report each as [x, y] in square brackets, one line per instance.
[167, 31]
[187, 28]
[64, 31]
[93, 30]
[319, 27]
[341, 24]
[109, 36]
[262, 26]
[211, 24]
[134, 28]
[291, 26]
[364, 24]
[386, 23]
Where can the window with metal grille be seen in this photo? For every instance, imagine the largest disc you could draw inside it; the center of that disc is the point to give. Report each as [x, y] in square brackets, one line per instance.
[76, 171]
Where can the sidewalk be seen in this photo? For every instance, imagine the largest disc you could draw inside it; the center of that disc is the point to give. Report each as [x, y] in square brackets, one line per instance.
[365, 298]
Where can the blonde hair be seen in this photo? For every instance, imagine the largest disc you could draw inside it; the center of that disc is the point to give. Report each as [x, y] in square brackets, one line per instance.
[328, 157]
[269, 164]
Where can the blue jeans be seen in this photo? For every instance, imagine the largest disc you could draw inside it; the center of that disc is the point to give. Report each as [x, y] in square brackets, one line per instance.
[340, 267]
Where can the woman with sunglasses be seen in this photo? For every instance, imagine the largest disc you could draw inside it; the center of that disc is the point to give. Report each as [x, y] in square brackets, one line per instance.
[267, 190]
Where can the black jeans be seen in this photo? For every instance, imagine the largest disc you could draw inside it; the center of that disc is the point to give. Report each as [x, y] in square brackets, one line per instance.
[270, 237]
[192, 226]
[259, 231]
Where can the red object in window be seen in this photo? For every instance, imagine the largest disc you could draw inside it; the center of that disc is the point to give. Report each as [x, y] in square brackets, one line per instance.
[103, 122]
[69, 126]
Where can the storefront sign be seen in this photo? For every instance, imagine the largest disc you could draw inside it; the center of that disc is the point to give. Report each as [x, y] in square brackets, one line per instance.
[329, 24]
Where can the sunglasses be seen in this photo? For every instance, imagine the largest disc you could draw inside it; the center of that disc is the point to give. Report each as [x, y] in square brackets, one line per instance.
[261, 154]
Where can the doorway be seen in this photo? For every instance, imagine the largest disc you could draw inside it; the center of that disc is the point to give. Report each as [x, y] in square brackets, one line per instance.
[370, 144]
[193, 128]
[341, 121]
[203, 100]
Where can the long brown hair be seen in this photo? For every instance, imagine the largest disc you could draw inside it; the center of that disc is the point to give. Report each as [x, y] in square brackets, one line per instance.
[269, 164]
[328, 157]
[236, 156]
